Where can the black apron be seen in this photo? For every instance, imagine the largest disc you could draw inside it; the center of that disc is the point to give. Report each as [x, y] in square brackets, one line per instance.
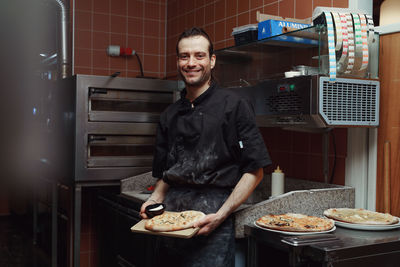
[216, 249]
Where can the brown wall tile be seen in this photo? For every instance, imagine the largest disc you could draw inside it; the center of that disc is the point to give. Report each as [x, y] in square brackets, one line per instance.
[118, 39]
[253, 15]
[118, 24]
[190, 20]
[326, 3]
[341, 3]
[231, 8]
[151, 10]
[256, 4]
[118, 7]
[84, 5]
[117, 63]
[101, 6]
[267, 2]
[272, 9]
[83, 70]
[101, 22]
[83, 20]
[83, 39]
[220, 12]
[101, 40]
[243, 6]
[220, 31]
[244, 19]
[303, 9]
[199, 17]
[151, 28]
[136, 43]
[199, 3]
[209, 13]
[151, 46]
[150, 63]
[230, 24]
[135, 26]
[172, 9]
[286, 8]
[301, 142]
[101, 59]
[135, 8]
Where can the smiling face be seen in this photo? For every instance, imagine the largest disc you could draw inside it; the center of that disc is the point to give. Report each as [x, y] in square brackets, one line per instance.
[194, 61]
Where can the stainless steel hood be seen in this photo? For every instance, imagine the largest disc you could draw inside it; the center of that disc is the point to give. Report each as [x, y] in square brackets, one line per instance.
[313, 102]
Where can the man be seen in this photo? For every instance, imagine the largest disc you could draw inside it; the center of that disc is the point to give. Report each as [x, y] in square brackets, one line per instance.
[209, 157]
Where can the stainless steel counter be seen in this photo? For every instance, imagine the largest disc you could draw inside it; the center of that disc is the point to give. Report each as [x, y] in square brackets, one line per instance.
[349, 248]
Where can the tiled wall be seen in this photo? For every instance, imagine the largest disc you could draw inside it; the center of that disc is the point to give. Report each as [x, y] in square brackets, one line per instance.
[219, 17]
[138, 24]
[298, 154]
[151, 27]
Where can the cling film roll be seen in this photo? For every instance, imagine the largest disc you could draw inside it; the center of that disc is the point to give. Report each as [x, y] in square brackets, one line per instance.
[371, 30]
[350, 38]
[358, 43]
[338, 29]
[364, 38]
[341, 66]
[331, 47]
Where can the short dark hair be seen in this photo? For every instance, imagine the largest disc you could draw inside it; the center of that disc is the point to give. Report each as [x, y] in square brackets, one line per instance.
[195, 31]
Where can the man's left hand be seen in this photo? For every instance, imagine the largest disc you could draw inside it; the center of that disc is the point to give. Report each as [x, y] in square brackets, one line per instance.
[208, 223]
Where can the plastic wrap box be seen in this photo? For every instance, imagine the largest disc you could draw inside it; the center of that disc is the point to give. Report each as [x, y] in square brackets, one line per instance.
[245, 34]
[271, 27]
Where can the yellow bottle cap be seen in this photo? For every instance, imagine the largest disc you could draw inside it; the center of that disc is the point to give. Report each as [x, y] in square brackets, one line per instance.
[278, 170]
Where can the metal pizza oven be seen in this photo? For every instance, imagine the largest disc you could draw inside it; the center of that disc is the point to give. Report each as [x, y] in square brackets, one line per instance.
[116, 120]
[313, 102]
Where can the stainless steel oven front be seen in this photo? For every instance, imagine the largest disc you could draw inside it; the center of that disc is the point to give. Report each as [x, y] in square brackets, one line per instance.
[116, 121]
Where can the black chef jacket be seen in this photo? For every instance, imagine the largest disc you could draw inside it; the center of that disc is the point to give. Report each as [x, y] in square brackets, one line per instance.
[202, 150]
[210, 142]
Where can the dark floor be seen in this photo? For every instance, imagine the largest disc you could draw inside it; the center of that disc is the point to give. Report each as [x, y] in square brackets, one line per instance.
[16, 244]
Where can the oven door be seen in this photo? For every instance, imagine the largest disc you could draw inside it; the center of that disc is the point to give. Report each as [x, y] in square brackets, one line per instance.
[116, 105]
[119, 151]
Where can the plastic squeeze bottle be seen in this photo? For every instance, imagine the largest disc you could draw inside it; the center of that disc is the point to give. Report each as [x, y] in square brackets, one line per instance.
[277, 182]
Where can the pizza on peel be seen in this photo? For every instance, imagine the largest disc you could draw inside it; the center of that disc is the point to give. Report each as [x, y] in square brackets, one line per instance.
[360, 216]
[173, 221]
[295, 222]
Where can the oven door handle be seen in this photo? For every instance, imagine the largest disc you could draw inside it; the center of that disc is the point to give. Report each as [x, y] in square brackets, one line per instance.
[93, 91]
[97, 138]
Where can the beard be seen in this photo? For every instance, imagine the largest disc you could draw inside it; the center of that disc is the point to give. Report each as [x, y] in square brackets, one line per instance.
[199, 81]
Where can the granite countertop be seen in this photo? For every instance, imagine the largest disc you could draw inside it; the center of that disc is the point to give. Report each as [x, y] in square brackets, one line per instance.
[301, 196]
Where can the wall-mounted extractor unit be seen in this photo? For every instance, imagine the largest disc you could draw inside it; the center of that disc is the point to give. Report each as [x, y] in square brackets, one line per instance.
[313, 102]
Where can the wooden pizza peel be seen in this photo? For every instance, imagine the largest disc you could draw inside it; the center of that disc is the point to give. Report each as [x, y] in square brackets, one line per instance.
[187, 233]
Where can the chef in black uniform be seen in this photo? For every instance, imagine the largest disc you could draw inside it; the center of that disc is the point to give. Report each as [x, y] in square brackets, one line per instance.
[209, 157]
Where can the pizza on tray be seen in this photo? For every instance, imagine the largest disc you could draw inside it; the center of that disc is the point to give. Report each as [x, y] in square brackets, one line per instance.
[360, 216]
[173, 221]
[295, 222]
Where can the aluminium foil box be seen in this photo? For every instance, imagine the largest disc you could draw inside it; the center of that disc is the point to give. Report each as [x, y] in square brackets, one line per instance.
[271, 27]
